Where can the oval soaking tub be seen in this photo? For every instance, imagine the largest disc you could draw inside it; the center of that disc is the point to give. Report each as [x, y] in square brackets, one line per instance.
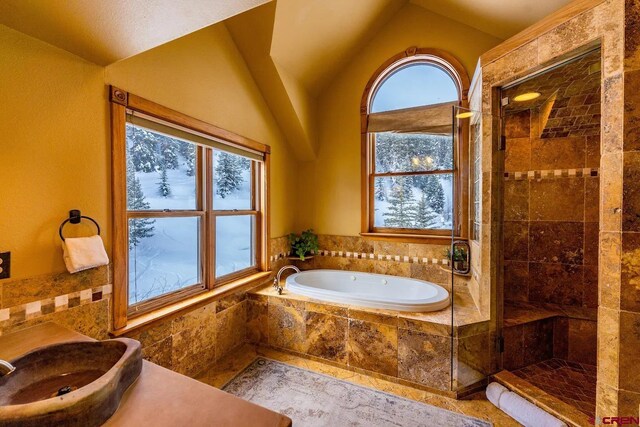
[369, 290]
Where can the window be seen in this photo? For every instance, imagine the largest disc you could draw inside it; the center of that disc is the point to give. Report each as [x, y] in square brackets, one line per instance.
[189, 206]
[412, 158]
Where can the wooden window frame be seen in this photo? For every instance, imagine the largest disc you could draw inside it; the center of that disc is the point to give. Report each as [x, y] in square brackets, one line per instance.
[456, 70]
[123, 102]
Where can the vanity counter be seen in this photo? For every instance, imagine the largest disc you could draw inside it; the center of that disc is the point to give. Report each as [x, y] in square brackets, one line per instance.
[159, 397]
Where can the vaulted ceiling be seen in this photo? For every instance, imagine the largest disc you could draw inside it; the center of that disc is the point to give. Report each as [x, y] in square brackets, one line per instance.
[293, 48]
[499, 18]
[106, 31]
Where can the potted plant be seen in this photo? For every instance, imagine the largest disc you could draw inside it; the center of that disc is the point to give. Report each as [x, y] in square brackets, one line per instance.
[304, 244]
[458, 259]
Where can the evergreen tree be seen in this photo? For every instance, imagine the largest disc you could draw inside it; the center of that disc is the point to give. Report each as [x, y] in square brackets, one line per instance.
[143, 149]
[434, 193]
[164, 189]
[188, 152]
[169, 152]
[425, 217]
[379, 192]
[143, 227]
[228, 173]
[402, 209]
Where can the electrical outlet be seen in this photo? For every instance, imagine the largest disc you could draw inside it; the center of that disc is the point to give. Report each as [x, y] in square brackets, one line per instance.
[5, 265]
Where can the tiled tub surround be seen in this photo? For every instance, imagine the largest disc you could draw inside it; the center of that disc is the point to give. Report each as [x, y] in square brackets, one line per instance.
[418, 261]
[409, 348]
[187, 344]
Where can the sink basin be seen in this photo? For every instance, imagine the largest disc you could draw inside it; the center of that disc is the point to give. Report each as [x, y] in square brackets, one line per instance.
[76, 383]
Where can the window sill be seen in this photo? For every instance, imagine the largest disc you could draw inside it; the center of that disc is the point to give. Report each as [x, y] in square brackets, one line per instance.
[411, 238]
[151, 318]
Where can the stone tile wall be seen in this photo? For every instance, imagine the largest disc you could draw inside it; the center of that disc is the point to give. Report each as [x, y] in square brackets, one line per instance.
[393, 345]
[614, 24]
[81, 302]
[551, 216]
[354, 253]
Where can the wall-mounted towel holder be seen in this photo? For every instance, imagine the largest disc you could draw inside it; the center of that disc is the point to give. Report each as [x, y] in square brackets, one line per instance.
[74, 218]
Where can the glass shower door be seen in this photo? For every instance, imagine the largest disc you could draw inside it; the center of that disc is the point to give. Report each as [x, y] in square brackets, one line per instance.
[474, 343]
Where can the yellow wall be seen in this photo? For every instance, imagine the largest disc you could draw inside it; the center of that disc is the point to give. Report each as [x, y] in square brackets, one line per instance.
[203, 75]
[54, 149]
[54, 131]
[330, 190]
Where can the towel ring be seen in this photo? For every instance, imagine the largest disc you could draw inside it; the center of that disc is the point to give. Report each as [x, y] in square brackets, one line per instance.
[74, 218]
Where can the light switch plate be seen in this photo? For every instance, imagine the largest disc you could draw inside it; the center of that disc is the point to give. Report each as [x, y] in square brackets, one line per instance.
[5, 265]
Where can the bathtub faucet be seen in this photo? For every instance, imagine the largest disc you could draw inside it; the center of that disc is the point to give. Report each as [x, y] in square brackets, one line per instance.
[276, 280]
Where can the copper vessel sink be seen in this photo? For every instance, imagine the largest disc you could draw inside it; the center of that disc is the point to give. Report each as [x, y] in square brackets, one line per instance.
[72, 384]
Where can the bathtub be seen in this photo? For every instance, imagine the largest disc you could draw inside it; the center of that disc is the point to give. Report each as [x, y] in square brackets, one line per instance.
[369, 290]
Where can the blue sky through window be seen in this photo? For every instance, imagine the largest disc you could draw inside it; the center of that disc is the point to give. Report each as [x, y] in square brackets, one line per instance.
[413, 86]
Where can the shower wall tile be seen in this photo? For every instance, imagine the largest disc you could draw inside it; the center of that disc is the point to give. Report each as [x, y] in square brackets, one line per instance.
[513, 357]
[590, 286]
[592, 200]
[592, 152]
[582, 341]
[537, 338]
[516, 240]
[561, 338]
[631, 192]
[556, 283]
[631, 120]
[630, 272]
[516, 281]
[557, 199]
[629, 355]
[516, 196]
[558, 153]
[591, 237]
[517, 156]
[556, 242]
[518, 125]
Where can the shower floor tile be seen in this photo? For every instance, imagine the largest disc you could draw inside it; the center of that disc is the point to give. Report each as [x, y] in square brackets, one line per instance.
[573, 383]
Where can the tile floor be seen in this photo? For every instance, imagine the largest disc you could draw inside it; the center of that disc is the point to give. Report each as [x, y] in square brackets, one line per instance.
[573, 383]
[476, 405]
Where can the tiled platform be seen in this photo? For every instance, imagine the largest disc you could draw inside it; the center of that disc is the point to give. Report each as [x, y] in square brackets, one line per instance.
[573, 383]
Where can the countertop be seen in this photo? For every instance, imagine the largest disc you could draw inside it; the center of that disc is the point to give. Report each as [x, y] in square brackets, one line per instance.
[159, 397]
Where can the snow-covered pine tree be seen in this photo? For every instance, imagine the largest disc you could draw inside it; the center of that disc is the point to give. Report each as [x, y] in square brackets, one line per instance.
[434, 193]
[228, 174]
[142, 227]
[379, 192]
[169, 152]
[188, 152]
[143, 149]
[402, 208]
[164, 189]
[425, 217]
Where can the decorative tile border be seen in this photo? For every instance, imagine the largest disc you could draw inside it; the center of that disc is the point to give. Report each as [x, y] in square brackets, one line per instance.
[551, 174]
[370, 256]
[32, 310]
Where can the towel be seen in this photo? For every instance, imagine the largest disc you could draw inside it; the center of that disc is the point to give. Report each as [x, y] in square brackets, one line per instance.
[82, 253]
[520, 409]
[494, 392]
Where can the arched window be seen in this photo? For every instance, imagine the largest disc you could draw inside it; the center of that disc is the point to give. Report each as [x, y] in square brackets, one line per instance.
[411, 153]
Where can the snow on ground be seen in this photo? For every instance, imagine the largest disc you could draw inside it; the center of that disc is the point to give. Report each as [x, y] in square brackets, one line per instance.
[169, 260]
[382, 206]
